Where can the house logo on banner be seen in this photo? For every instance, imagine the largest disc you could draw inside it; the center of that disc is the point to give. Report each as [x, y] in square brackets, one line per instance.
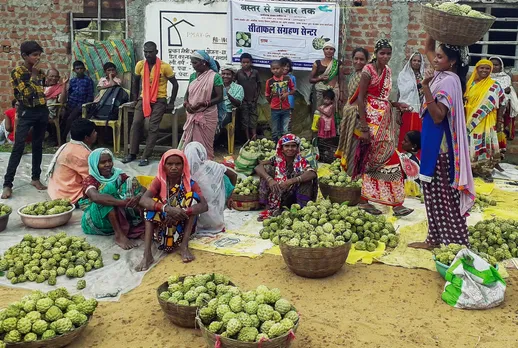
[269, 30]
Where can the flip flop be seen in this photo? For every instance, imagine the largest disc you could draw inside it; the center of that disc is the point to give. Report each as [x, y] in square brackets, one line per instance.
[129, 158]
[371, 209]
[403, 212]
[143, 162]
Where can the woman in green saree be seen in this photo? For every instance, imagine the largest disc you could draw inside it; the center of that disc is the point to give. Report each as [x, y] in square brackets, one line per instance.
[110, 201]
[326, 74]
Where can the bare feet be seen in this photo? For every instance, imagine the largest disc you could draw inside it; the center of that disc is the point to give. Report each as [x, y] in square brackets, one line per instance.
[124, 242]
[186, 255]
[144, 265]
[421, 245]
[7, 192]
[38, 185]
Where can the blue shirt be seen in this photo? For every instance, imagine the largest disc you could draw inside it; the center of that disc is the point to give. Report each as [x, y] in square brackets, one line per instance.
[291, 98]
[80, 91]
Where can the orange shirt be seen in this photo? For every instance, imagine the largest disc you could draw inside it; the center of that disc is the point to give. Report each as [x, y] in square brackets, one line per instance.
[70, 170]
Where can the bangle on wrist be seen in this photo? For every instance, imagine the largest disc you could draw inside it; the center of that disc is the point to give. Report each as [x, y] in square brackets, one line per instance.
[188, 211]
[269, 178]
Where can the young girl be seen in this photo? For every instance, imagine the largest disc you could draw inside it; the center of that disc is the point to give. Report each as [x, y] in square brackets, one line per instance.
[411, 146]
[326, 123]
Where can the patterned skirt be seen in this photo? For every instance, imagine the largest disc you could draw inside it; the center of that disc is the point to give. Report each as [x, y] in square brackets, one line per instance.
[385, 185]
[445, 223]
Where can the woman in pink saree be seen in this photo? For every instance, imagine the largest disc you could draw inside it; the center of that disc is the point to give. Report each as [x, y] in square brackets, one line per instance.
[203, 95]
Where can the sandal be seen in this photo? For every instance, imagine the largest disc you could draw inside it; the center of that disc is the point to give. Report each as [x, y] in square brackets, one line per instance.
[143, 162]
[403, 211]
[129, 158]
[370, 209]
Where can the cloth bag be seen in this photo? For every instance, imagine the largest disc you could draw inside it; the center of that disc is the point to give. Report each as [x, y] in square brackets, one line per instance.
[472, 283]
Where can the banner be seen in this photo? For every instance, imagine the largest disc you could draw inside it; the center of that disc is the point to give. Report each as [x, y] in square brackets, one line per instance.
[269, 30]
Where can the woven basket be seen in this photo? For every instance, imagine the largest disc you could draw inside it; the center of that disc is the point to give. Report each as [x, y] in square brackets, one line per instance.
[245, 203]
[327, 149]
[337, 194]
[454, 29]
[56, 342]
[315, 262]
[214, 340]
[184, 316]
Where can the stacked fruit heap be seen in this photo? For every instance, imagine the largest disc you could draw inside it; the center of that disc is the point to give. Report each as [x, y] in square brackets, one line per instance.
[54, 207]
[40, 259]
[5, 209]
[194, 290]
[497, 238]
[483, 202]
[250, 316]
[326, 224]
[41, 316]
[446, 254]
[304, 145]
[246, 187]
[264, 148]
[339, 178]
[459, 10]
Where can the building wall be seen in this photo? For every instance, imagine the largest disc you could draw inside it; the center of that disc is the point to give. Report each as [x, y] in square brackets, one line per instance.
[45, 21]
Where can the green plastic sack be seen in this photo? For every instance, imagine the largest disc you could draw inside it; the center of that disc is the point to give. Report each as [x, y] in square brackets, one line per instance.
[246, 161]
[311, 154]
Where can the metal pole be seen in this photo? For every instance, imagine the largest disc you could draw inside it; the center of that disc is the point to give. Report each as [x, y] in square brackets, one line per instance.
[99, 20]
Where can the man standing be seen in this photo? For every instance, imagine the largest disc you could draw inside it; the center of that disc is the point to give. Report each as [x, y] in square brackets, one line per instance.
[152, 74]
[28, 83]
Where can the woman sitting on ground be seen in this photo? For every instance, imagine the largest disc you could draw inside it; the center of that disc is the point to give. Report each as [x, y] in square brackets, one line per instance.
[110, 201]
[216, 183]
[286, 178]
[172, 203]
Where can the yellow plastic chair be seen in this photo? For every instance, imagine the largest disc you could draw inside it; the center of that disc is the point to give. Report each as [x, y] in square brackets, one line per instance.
[231, 132]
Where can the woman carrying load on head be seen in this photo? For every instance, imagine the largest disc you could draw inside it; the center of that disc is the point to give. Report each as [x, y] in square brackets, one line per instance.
[510, 104]
[376, 159]
[445, 170]
[110, 201]
[484, 98]
[286, 178]
[411, 92]
[349, 127]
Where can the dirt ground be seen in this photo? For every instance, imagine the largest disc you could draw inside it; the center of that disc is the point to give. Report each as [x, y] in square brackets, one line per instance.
[361, 306]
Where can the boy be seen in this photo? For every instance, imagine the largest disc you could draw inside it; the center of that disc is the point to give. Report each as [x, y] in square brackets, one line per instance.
[248, 78]
[278, 88]
[109, 80]
[80, 91]
[287, 65]
[28, 82]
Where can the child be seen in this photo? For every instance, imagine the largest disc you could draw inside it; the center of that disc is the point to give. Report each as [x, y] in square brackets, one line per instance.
[7, 125]
[326, 123]
[278, 88]
[410, 162]
[288, 69]
[109, 80]
[80, 91]
[248, 78]
[28, 82]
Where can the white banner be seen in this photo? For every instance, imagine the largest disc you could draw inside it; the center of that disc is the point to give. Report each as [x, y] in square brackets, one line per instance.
[269, 30]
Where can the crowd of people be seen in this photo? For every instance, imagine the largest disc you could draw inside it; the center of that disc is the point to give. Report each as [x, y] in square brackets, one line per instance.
[439, 132]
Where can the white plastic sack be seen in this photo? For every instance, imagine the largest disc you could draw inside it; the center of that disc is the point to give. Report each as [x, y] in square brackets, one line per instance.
[472, 283]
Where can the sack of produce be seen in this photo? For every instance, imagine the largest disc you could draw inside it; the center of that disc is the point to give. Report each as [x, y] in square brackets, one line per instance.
[248, 157]
[455, 24]
[472, 283]
[309, 151]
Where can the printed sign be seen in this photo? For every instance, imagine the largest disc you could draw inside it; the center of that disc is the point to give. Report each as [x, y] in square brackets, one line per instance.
[269, 30]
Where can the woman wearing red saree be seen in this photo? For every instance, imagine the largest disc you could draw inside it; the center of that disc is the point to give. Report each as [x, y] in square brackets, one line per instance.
[383, 180]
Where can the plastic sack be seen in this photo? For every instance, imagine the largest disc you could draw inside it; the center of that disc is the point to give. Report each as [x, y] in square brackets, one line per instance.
[472, 283]
[316, 119]
[311, 154]
[246, 161]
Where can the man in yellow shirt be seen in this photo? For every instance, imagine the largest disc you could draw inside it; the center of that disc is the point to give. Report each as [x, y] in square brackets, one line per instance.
[152, 75]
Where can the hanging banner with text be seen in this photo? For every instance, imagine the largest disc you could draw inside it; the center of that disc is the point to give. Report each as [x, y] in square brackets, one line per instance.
[269, 30]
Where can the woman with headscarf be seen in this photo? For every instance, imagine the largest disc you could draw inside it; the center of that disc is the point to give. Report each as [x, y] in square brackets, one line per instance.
[510, 104]
[286, 178]
[216, 183]
[349, 132]
[445, 173]
[376, 159]
[325, 74]
[110, 201]
[172, 204]
[484, 98]
[411, 93]
[204, 93]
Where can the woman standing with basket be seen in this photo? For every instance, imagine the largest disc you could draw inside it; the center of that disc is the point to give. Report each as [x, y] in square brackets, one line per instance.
[445, 171]
[377, 159]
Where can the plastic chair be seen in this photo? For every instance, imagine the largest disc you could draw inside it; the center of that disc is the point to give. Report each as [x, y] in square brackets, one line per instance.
[231, 132]
[55, 120]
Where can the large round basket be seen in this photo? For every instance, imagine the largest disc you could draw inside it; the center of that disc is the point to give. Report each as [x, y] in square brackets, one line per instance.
[454, 29]
[45, 221]
[315, 262]
[214, 340]
[336, 194]
[245, 203]
[4, 219]
[184, 316]
[56, 342]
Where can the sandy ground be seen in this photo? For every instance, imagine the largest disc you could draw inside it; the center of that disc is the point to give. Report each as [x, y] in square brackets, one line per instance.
[360, 306]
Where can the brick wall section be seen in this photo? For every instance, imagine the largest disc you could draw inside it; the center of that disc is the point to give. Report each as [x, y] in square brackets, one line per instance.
[45, 21]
